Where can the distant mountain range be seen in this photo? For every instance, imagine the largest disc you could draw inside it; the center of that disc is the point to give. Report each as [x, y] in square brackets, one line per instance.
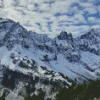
[45, 62]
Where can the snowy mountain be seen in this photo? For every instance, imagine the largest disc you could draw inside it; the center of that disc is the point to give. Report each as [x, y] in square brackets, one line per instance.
[45, 61]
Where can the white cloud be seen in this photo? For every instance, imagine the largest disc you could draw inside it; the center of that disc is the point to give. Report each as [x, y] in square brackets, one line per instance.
[94, 20]
[96, 26]
[30, 12]
[78, 18]
[86, 4]
[8, 3]
[91, 10]
[61, 6]
[63, 18]
[45, 7]
[89, 7]
[91, 19]
[31, 7]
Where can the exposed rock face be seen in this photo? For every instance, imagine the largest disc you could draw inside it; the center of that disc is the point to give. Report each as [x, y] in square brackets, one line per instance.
[75, 57]
[64, 35]
[89, 41]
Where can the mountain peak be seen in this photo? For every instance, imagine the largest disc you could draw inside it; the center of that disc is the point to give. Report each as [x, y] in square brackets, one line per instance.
[4, 20]
[64, 35]
[91, 34]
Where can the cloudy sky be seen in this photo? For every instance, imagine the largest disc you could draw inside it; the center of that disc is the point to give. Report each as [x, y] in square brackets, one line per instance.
[53, 16]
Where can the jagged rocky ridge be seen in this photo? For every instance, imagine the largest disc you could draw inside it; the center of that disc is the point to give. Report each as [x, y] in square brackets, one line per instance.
[44, 62]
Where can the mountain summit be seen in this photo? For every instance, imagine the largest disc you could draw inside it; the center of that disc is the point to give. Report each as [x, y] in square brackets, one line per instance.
[64, 35]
